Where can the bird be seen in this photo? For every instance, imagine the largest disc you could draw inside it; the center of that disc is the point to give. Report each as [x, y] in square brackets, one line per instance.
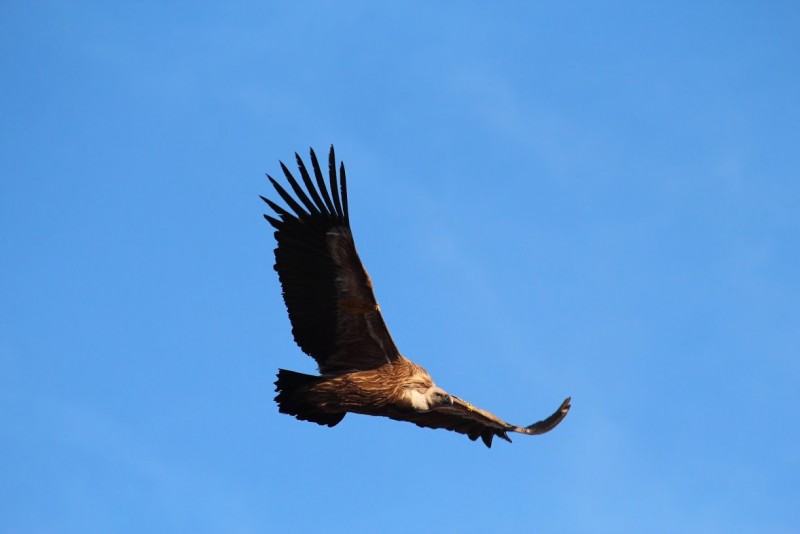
[336, 320]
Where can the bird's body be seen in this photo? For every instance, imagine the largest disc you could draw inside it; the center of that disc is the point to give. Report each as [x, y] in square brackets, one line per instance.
[391, 389]
[336, 320]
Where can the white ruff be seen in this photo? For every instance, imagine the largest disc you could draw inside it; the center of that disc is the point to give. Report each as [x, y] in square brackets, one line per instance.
[418, 400]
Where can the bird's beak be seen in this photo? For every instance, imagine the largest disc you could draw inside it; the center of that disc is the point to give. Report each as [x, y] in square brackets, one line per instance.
[448, 399]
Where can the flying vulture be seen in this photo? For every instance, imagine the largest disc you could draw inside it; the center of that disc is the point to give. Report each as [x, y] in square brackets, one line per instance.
[337, 321]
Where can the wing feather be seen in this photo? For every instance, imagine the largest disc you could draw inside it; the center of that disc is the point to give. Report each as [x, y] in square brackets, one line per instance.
[332, 175]
[312, 209]
[275, 207]
[321, 182]
[328, 293]
[343, 180]
[464, 418]
[309, 185]
[300, 213]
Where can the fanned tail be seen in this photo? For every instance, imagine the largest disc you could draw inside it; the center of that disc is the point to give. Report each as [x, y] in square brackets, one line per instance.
[294, 398]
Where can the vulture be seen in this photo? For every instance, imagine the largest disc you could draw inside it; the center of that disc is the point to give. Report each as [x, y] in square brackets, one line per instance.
[337, 321]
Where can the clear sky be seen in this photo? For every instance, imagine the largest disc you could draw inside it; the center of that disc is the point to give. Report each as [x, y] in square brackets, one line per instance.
[596, 199]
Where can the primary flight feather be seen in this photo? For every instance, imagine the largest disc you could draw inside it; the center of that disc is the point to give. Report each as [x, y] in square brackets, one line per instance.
[337, 321]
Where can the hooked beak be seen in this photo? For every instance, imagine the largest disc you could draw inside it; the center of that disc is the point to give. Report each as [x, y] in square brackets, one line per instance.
[448, 400]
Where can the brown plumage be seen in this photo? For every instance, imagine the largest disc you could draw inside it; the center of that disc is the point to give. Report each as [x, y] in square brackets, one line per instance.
[337, 321]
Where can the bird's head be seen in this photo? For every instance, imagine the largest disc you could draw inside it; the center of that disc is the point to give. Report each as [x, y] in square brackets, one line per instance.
[424, 398]
[436, 396]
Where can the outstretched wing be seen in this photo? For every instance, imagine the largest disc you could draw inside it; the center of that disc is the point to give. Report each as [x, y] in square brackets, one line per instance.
[467, 419]
[335, 317]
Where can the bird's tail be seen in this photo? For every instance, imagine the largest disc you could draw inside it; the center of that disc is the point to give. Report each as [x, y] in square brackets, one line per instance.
[296, 398]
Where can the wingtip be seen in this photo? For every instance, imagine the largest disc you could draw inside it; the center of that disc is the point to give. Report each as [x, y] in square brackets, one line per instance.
[548, 424]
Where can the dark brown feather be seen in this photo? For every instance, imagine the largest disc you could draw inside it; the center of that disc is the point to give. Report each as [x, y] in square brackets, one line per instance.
[321, 182]
[328, 294]
[464, 418]
[309, 185]
[332, 175]
[298, 191]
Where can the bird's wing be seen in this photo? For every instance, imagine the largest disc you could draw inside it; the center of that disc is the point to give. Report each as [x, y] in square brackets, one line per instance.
[467, 419]
[328, 293]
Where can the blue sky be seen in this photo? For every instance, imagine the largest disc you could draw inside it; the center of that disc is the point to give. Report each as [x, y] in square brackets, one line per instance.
[553, 198]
